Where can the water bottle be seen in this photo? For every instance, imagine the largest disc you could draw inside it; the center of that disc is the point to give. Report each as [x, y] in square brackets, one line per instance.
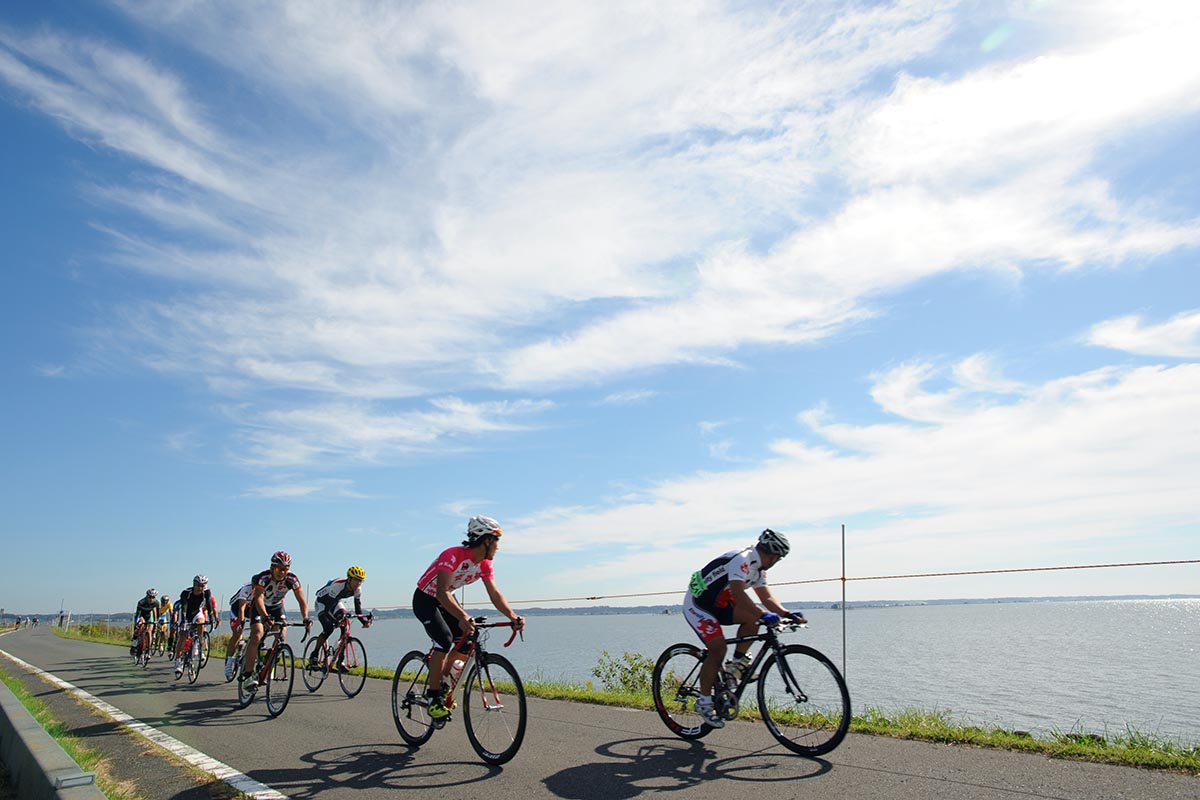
[456, 669]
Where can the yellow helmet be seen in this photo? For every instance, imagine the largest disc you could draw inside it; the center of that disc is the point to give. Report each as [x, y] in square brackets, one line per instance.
[357, 572]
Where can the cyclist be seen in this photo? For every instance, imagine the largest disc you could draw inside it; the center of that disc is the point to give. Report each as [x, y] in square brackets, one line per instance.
[166, 615]
[239, 604]
[444, 619]
[270, 588]
[143, 614]
[332, 611]
[196, 605]
[717, 596]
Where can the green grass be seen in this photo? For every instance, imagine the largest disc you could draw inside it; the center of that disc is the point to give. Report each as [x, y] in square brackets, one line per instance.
[1128, 747]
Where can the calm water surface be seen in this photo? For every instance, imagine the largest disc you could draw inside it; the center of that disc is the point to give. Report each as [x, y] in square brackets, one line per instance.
[1046, 666]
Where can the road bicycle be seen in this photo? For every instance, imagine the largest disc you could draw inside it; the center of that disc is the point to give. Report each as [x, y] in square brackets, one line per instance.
[158, 645]
[275, 671]
[801, 695]
[141, 652]
[493, 699]
[196, 641]
[348, 658]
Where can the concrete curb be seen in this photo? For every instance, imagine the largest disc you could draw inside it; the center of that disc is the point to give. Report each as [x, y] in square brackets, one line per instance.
[37, 765]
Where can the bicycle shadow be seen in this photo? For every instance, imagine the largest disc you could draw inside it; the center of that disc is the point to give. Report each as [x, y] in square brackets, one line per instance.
[369, 766]
[630, 767]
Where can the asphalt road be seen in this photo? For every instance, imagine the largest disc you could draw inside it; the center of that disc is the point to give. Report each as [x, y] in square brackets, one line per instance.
[327, 746]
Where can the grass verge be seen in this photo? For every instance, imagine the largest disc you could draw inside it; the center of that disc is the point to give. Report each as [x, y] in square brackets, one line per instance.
[1128, 747]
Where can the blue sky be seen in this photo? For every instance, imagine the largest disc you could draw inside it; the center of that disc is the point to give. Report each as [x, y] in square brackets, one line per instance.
[332, 277]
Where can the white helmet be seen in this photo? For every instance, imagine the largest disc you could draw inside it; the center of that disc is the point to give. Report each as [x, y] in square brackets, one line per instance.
[478, 527]
[774, 543]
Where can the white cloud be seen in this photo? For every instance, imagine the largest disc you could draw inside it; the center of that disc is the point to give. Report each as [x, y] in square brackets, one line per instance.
[628, 397]
[1178, 337]
[990, 480]
[331, 487]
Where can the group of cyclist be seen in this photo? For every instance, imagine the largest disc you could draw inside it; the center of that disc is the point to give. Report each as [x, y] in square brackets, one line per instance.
[716, 596]
[195, 606]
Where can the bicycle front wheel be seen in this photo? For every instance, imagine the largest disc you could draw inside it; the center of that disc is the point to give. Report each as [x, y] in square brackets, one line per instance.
[493, 706]
[410, 709]
[205, 649]
[192, 661]
[313, 678]
[675, 683]
[352, 668]
[804, 700]
[280, 678]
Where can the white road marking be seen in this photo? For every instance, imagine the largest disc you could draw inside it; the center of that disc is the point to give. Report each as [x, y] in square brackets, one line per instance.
[239, 781]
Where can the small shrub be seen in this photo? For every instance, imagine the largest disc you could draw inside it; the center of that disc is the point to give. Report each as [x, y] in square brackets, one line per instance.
[630, 672]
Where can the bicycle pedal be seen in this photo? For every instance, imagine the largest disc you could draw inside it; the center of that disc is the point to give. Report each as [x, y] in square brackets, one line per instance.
[440, 723]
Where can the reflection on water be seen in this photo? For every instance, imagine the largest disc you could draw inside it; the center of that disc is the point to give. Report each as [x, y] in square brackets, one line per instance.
[1091, 665]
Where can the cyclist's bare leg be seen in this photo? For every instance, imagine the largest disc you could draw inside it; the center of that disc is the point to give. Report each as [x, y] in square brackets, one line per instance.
[439, 665]
[712, 665]
[745, 629]
[256, 635]
[235, 633]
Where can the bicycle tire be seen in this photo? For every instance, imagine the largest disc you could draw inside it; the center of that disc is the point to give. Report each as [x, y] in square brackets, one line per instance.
[205, 648]
[314, 678]
[190, 661]
[815, 722]
[354, 659]
[493, 696]
[675, 683]
[409, 711]
[245, 698]
[280, 678]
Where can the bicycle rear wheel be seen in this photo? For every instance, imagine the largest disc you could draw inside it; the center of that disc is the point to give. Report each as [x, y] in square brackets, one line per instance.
[313, 678]
[280, 678]
[675, 683]
[410, 710]
[804, 700]
[352, 668]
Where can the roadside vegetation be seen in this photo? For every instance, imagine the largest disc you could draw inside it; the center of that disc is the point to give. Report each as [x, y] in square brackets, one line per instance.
[625, 681]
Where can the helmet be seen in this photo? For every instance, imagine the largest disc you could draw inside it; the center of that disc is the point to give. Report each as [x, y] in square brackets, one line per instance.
[478, 527]
[281, 558]
[357, 572]
[200, 580]
[164, 599]
[152, 593]
[774, 543]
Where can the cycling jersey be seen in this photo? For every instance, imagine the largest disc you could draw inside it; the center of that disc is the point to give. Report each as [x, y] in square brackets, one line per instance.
[337, 589]
[709, 586]
[274, 591]
[146, 609]
[457, 561]
[191, 604]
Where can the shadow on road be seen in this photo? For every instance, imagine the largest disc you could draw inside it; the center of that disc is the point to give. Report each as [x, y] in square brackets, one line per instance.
[629, 767]
[367, 766]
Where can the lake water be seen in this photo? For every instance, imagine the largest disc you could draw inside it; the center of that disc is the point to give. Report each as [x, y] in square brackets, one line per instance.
[1044, 666]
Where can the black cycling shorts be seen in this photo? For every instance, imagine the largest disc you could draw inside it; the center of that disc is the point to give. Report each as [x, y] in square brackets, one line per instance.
[441, 626]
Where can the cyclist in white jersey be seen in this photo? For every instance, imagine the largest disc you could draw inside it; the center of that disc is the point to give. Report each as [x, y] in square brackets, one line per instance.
[435, 606]
[717, 596]
[266, 604]
[330, 609]
[239, 605]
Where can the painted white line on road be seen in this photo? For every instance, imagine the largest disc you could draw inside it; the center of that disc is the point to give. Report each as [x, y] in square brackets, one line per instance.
[239, 781]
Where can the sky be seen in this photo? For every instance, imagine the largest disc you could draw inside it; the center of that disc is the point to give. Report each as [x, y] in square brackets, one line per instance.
[636, 280]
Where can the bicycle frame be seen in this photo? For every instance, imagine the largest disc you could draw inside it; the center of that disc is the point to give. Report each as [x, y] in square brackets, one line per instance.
[267, 655]
[475, 648]
[770, 635]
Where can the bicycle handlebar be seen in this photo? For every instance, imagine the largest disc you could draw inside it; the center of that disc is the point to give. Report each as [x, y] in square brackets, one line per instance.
[481, 622]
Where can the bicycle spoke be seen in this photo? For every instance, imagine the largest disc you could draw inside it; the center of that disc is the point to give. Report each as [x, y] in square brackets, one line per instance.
[352, 667]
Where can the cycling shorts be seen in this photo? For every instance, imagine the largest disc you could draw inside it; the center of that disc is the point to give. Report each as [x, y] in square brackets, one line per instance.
[707, 624]
[274, 613]
[330, 616]
[441, 626]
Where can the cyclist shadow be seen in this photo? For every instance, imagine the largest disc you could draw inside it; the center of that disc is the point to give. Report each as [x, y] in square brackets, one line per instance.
[369, 766]
[633, 766]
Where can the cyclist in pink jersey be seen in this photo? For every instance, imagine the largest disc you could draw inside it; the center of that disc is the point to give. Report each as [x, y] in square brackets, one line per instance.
[437, 609]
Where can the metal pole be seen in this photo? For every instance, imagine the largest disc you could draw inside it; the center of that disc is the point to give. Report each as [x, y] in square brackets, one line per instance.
[843, 600]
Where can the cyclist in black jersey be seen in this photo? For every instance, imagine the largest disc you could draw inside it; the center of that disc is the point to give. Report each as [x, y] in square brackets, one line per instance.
[195, 605]
[717, 596]
[144, 613]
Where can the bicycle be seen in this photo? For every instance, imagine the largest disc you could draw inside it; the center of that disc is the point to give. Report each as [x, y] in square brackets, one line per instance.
[348, 658]
[141, 653]
[493, 700]
[801, 695]
[276, 669]
[195, 643]
[158, 646]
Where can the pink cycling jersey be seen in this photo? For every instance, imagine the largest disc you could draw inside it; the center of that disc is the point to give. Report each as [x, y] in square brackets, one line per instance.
[457, 561]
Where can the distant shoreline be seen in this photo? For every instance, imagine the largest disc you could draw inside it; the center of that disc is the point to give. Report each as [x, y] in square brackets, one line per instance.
[603, 610]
